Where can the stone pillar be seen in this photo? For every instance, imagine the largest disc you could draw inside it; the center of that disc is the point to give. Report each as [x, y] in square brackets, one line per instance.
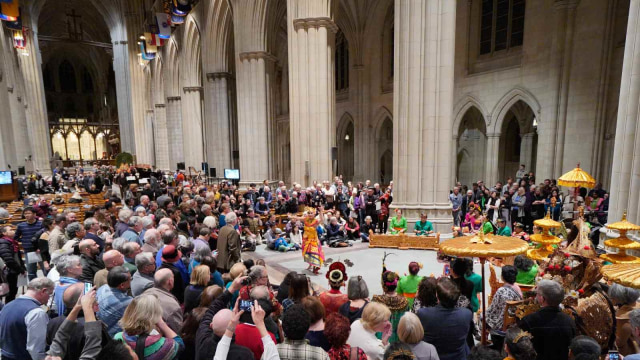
[423, 105]
[363, 134]
[161, 138]
[123, 92]
[35, 104]
[311, 31]
[625, 182]
[255, 114]
[174, 131]
[491, 168]
[192, 126]
[218, 121]
[526, 150]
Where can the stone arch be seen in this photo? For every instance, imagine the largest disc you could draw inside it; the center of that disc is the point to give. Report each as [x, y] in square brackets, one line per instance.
[219, 37]
[471, 141]
[518, 139]
[461, 108]
[507, 101]
[381, 115]
[191, 54]
[158, 82]
[345, 141]
[172, 82]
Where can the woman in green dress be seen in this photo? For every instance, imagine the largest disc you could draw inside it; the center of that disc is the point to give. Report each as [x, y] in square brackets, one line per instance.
[398, 223]
[527, 270]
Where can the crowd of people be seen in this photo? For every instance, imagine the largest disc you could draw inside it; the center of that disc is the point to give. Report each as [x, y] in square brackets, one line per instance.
[158, 273]
[518, 202]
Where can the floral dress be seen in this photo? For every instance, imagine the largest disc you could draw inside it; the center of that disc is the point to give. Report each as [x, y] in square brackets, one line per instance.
[311, 248]
[344, 353]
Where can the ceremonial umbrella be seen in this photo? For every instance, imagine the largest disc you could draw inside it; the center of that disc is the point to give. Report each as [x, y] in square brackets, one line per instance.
[484, 246]
[622, 242]
[577, 178]
[623, 274]
[545, 239]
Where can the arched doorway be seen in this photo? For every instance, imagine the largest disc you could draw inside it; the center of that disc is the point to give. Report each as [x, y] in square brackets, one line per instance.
[384, 137]
[518, 141]
[345, 141]
[471, 147]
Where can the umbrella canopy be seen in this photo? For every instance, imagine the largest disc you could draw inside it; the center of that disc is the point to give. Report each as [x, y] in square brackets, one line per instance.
[623, 225]
[484, 246]
[623, 243]
[547, 222]
[623, 274]
[577, 178]
[620, 258]
[545, 239]
[540, 254]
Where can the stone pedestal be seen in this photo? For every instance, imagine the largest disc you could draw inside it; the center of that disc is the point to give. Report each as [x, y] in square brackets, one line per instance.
[625, 182]
[192, 126]
[161, 137]
[423, 104]
[311, 31]
[174, 131]
[218, 121]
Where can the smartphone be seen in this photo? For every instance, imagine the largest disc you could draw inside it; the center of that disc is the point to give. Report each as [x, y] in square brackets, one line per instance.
[614, 355]
[447, 270]
[245, 305]
[87, 287]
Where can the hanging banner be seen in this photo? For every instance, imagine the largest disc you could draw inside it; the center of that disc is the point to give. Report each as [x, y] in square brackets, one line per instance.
[18, 40]
[10, 10]
[164, 25]
[153, 39]
[143, 52]
[181, 7]
[177, 20]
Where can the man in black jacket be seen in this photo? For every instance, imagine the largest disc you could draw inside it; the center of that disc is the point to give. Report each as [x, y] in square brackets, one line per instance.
[89, 251]
[552, 329]
[214, 324]
[10, 254]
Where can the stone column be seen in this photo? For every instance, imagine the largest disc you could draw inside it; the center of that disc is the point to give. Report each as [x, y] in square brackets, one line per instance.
[311, 32]
[123, 92]
[161, 138]
[174, 131]
[526, 150]
[625, 182]
[218, 121]
[491, 169]
[192, 126]
[35, 104]
[423, 105]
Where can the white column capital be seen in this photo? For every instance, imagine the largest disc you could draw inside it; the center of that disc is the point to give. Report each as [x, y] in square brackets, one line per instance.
[159, 106]
[173, 98]
[219, 75]
[192, 89]
[493, 135]
[314, 23]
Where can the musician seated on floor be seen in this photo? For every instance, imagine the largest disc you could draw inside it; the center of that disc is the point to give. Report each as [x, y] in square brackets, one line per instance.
[335, 234]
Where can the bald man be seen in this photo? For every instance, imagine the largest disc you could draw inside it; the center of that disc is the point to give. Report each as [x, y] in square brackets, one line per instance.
[171, 311]
[212, 328]
[76, 341]
[111, 259]
[89, 251]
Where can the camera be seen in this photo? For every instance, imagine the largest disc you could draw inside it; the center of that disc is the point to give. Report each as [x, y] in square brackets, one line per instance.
[246, 281]
[245, 305]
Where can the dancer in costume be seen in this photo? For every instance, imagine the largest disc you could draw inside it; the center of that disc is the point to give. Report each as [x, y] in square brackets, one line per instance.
[396, 303]
[311, 247]
[408, 284]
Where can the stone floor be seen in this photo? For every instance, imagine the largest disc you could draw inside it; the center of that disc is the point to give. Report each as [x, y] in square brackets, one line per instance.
[367, 262]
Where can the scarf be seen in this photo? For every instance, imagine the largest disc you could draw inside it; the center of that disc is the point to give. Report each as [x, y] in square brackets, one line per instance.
[14, 243]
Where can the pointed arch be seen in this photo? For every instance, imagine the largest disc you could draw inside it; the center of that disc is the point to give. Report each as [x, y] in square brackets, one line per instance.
[219, 36]
[190, 55]
[172, 73]
[158, 81]
[380, 116]
[460, 110]
[345, 120]
[508, 100]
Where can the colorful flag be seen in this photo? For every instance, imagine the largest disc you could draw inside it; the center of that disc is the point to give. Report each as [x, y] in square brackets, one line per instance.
[153, 39]
[181, 7]
[10, 10]
[18, 40]
[143, 52]
[14, 25]
[164, 25]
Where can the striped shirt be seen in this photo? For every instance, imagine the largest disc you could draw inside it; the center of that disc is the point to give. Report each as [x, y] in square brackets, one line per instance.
[25, 232]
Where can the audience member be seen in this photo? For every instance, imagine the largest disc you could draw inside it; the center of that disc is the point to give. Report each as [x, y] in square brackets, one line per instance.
[315, 334]
[113, 299]
[333, 299]
[143, 278]
[375, 318]
[411, 332]
[358, 294]
[337, 330]
[200, 277]
[295, 324]
[111, 259]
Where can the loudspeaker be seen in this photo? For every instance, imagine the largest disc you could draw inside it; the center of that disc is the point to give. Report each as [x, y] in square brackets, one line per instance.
[21, 170]
[334, 153]
[181, 166]
[205, 167]
[212, 172]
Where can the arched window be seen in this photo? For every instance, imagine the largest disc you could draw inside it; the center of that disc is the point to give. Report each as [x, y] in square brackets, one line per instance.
[67, 77]
[501, 25]
[342, 62]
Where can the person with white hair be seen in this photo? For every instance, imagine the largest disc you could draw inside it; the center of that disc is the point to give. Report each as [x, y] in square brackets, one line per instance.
[210, 222]
[147, 223]
[229, 244]
[123, 222]
[152, 238]
[135, 228]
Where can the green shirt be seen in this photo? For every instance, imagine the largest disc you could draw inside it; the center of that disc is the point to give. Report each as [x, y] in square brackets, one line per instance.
[423, 228]
[395, 223]
[408, 286]
[477, 288]
[487, 228]
[505, 231]
[528, 277]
